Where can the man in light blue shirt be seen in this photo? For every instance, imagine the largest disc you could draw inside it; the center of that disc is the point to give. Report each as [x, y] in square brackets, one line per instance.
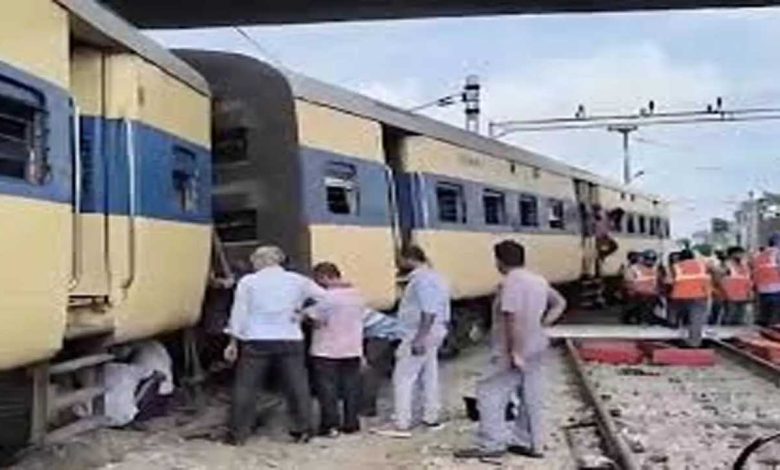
[424, 313]
[265, 331]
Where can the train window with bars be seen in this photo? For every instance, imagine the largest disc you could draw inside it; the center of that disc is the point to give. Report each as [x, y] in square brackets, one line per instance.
[22, 153]
[342, 191]
[654, 226]
[236, 225]
[556, 214]
[451, 202]
[494, 205]
[230, 146]
[642, 224]
[529, 211]
[630, 223]
[185, 179]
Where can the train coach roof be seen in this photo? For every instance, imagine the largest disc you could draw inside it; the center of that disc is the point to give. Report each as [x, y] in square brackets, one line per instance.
[99, 24]
[313, 90]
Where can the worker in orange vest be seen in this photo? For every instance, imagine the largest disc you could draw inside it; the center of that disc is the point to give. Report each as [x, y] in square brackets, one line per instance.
[736, 286]
[766, 275]
[642, 288]
[691, 283]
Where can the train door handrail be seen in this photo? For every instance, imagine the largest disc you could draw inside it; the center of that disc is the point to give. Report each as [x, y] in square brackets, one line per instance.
[393, 199]
[76, 227]
[131, 204]
[424, 199]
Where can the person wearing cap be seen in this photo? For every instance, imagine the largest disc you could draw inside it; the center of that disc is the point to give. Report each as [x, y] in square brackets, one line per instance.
[691, 283]
[265, 333]
[642, 288]
[525, 304]
[736, 285]
[766, 275]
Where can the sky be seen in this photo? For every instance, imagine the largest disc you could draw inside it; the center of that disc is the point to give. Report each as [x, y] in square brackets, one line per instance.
[533, 67]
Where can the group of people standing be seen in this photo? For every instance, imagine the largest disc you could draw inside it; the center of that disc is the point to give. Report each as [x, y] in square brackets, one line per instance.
[266, 329]
[697, 289]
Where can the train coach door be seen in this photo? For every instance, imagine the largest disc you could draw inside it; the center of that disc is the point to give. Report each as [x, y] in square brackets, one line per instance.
[587, 195]
[90, 264]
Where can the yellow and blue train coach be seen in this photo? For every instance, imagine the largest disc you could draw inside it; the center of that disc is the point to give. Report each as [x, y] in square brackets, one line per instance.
[332, 175]
[105, 199]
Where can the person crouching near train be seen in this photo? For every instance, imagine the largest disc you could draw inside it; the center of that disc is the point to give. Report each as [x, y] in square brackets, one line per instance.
[691, 282]
[642, 288]
[336, 351]
[736, 286]
[424, 313]
[525, 305]
[265, 333]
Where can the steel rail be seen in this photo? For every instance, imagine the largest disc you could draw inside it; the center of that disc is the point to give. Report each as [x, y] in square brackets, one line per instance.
[759, 366]
[616, 446]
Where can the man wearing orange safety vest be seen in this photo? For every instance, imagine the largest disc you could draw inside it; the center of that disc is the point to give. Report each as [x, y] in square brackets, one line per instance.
[736, 286]
[691, 284]
[766, 275]
[641, 284]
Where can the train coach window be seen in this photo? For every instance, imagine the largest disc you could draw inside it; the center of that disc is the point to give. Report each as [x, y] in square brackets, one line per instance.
[529, 211]
[451, 202]
[230, 146]
[642, 224]
[341, 188]
[494, 204]
[185, 179]
[556, 215]
[630, 224]
[21, 141]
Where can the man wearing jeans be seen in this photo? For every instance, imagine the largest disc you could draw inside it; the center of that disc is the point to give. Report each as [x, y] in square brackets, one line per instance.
[524, 304]
[424, 313]
[265, 332]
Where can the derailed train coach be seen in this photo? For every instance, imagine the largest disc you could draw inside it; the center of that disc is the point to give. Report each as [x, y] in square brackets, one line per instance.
[332, 175]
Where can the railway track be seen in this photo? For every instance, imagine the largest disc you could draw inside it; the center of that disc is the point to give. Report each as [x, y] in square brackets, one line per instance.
[673, 417]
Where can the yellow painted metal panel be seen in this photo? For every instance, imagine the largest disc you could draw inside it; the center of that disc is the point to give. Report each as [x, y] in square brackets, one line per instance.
[94, 272]
[428, 155]
[35, 253]
[466, 258]
[86, 80]
[365, 256]
[172, 261]
[139, 90]
[337, 131]
[34, 37]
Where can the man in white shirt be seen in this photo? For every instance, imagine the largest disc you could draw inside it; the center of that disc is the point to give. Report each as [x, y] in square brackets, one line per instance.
[525, 304]
[265, 331]
[424, 313]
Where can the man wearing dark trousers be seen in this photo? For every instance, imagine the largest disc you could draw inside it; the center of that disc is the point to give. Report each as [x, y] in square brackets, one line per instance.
[265, 332]
[336, 351]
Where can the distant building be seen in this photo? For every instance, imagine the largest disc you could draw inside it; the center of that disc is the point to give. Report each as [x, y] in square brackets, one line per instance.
[756, 219]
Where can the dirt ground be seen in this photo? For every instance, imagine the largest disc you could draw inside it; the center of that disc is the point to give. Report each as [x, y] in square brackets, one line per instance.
[161, 446]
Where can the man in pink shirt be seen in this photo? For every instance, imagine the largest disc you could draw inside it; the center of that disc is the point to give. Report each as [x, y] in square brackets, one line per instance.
[525, 304]
[336, 351]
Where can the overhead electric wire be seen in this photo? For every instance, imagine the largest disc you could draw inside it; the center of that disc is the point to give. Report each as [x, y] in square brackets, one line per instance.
[263, 51]
[717, 118]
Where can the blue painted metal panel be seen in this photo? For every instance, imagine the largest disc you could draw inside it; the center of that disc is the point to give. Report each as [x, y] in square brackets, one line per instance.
[371, 177]
[158, 154]
[57, 122]
[420, 199]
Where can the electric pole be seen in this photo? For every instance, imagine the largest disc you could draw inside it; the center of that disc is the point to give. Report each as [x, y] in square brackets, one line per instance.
[625, 130]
